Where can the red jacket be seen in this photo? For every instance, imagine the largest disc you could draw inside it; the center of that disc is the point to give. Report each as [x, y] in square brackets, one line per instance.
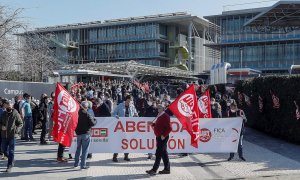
[162, 126]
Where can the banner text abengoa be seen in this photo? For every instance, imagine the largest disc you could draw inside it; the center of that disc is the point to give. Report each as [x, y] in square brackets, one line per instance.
[112, 135]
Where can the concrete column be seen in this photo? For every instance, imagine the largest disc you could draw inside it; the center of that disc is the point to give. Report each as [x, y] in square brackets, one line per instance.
[190, 28]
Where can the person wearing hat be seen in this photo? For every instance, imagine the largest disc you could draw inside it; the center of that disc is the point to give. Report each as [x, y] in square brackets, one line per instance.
[235, 112]
[11, 124]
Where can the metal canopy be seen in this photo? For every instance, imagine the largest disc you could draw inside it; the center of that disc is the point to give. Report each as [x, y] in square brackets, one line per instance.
[87, 72]
[130, 68]
[282, 17]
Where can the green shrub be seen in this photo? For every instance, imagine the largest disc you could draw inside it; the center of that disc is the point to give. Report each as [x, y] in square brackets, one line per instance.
[279, 122]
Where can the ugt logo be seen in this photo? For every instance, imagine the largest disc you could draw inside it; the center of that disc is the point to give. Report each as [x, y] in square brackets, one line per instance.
[186, 105]
[205, 135]
[203, 104]
[65, 102]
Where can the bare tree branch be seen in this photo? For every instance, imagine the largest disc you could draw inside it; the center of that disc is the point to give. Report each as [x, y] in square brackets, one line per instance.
[29, 53]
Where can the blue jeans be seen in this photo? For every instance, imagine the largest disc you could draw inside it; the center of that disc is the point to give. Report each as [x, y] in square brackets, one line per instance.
[8, 148]
[83, 143]
[28, 127]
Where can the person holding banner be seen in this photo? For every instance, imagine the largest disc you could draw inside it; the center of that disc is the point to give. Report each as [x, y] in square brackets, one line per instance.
[83, 132]
[235, 112]
[162, 128]
[215, 107]
[125, 109]
[65, 119]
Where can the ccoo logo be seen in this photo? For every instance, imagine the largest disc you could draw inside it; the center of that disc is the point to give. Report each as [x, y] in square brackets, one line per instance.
[186, 105]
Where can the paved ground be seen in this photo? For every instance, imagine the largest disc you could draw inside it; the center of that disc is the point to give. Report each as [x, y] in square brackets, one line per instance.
[267, 158]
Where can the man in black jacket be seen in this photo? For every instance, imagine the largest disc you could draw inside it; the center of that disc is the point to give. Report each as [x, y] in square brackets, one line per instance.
[83, 132]
[11, 124]
[43, 110]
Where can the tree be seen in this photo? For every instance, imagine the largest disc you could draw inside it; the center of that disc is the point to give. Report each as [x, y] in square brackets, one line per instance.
[37, 58]
[28, 52]
[8, 25]
[9, 21]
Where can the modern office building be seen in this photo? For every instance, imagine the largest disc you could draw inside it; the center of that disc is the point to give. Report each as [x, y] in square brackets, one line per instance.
[165, 40]
[266, 39]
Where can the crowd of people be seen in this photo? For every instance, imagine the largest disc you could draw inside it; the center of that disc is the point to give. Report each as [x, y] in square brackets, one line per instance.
[19, 119]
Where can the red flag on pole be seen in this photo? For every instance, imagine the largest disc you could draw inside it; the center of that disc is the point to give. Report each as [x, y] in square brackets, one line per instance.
[260, 104]
[204, 105]
[186, 110]
[275, 99]
[65, 116]
[297, 111]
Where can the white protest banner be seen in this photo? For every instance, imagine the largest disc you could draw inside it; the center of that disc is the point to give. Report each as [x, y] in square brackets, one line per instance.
[134, 135]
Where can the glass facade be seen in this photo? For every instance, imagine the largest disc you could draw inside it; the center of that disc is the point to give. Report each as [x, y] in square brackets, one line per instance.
[266, 56]
[120, 50]
[143, 42]
[266, 52]
[132, 32]
[233, 30]
[152, 40]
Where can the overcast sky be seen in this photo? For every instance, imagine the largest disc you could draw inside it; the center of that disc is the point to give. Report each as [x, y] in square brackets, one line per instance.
[40, 13]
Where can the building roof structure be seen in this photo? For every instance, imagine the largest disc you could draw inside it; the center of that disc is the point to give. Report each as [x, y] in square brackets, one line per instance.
[128, 69]
[283, 16]
[181, 18]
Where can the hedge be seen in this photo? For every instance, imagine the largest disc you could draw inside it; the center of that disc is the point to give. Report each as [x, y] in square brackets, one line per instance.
[279, 122]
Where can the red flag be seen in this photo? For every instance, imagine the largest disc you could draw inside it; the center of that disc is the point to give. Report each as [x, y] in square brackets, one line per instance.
[146, 87]
[297, 111]
[65, 116]
[240, 98]
[137, 84]
[260, 104]
[204, 105]
[275, 99]
[74, 88]
[247, 99]
[186, 110]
